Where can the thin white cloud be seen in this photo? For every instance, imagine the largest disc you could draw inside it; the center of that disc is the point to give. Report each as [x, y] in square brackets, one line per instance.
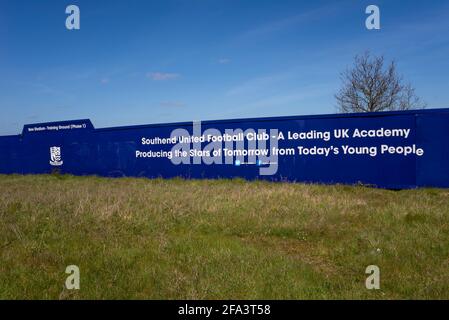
[43, 88]
[257, 84]
[224, 60]
[290, 21]
[162, 76]
[171, 104]
[287, 100]
[303, 93]
[104, 80]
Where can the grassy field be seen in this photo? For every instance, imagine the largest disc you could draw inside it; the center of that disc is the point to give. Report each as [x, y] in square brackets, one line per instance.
[177, 239]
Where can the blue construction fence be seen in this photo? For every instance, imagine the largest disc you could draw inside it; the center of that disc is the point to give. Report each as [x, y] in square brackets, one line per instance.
[395, 150]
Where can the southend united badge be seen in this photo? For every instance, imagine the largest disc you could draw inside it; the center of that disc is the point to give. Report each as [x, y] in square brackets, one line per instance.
[55, 156]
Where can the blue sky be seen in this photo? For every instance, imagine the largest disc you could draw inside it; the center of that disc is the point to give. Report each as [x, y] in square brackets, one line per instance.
[136, 61]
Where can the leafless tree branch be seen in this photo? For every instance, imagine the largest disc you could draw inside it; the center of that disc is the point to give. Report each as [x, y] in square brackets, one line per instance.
[369, 87]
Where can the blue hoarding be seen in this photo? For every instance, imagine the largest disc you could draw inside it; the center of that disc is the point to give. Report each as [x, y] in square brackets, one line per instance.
[403, 149]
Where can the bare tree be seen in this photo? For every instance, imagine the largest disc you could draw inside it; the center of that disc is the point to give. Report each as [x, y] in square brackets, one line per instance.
[369, 87]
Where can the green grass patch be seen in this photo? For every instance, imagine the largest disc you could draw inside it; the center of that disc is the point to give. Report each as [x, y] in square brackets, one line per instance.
[219, 239]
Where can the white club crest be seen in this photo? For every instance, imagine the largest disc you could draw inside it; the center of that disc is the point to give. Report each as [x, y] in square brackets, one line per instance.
[55, 156]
